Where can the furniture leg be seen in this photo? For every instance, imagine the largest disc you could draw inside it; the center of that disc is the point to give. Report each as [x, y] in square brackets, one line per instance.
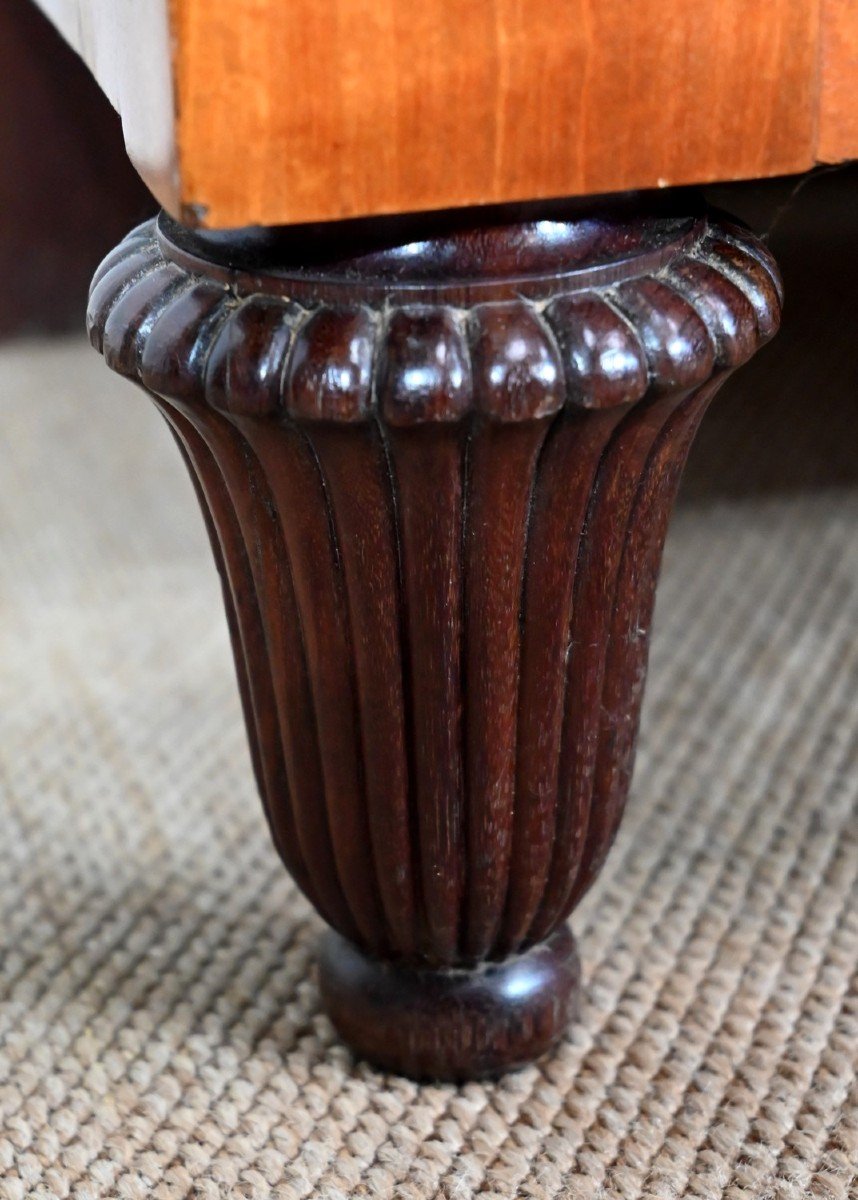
[437, 470]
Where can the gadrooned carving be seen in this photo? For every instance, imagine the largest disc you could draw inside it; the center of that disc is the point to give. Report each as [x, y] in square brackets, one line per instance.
[707, 307]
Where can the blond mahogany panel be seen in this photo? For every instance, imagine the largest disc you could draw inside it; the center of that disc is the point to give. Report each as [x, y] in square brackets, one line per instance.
[318, 109]
[278, 111]
[838, 109]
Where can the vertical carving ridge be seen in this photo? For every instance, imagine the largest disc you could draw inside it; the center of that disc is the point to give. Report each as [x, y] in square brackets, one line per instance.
[464, 634]
[173, 423]
[628, 639]
[359, 818]
[602, 542]
[500, 480]
[286, 656]
[296, 484]
[245, 617]
[415, 858]
[428, 464]
[358, 483]
[566, 470]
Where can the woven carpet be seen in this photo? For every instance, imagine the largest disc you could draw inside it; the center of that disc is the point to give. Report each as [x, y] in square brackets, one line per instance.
[160, 1029]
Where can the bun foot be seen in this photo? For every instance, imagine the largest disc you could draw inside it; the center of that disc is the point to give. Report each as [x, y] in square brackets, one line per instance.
[455, 1024]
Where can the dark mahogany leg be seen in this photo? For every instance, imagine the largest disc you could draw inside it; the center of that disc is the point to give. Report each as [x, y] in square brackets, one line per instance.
[437, 476]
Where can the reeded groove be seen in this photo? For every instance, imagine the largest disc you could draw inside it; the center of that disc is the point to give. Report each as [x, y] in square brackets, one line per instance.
[600, 550]
[567, 467]
[438, 507]
[628, 640]
[241, 665]
[420, 935]
[358, 483]
[501, 472]
[302, 510]
[247, 620]
[428, 466]
[294, 731]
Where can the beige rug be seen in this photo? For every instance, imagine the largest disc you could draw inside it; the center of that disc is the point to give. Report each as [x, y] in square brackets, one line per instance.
[160, 1032]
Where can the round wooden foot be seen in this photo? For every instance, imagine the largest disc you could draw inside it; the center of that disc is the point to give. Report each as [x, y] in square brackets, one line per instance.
[451, 1024]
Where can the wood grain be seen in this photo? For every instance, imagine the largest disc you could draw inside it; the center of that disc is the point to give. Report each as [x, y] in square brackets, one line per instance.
[321, 109]
[438, 477]
[261, 112]
[838, 100]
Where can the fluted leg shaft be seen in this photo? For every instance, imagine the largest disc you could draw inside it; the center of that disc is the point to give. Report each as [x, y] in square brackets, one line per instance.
[437, 478]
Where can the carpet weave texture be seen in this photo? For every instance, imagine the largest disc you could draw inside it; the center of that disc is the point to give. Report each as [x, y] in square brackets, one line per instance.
[160, 1029]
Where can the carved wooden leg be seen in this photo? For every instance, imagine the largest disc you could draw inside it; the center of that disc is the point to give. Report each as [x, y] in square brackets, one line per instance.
[437, 477]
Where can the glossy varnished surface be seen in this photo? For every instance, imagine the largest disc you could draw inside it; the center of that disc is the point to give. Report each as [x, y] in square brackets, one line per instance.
[458, 256]
[458, 1024]
[439, 526]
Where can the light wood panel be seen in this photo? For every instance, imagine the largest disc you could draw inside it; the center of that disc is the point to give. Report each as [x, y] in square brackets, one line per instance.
[838, 108]
[333, 108]
[299, 110]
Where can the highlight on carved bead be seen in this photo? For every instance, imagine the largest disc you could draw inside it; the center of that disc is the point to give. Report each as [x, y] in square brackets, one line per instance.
[330, 376]
[425, 371]
[634, 337]
[245, 384]
[518, 374]
[603, 357]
